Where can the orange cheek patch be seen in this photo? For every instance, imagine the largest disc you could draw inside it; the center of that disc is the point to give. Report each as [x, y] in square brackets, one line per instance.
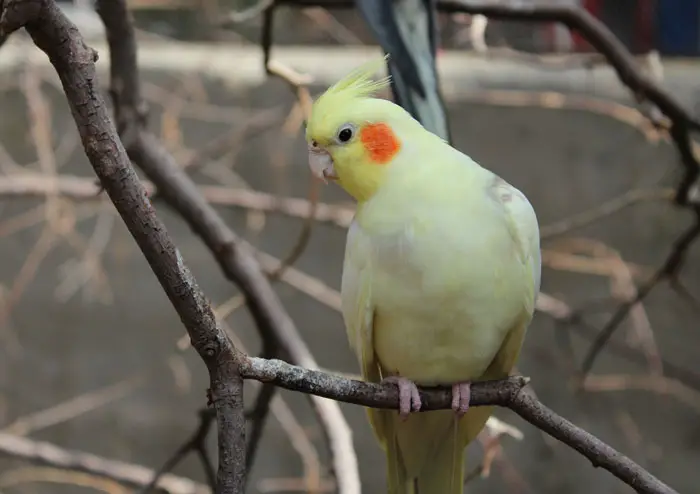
[380, 142]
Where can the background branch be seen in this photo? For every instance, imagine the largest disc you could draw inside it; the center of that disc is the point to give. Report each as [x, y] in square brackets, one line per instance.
[196, 443]
[233, 255]
[125, 473]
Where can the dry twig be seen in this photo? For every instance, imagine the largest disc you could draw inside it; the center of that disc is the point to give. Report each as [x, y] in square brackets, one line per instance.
[668, 271]
[298, 83]
[50, 475]
[125, 473]
[196, 443]
[85, 189]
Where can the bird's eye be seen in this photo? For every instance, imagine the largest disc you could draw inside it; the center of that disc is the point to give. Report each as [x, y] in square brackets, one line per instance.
[345, 134]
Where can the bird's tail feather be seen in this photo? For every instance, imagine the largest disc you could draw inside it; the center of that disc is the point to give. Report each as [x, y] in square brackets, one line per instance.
[425, 453]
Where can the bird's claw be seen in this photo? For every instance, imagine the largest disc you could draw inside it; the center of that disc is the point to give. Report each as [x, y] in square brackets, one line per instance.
[461, 395]
[409, 397]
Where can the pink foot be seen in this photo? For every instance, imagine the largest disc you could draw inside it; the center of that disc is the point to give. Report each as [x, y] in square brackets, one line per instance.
[409, 398]
[461, 394]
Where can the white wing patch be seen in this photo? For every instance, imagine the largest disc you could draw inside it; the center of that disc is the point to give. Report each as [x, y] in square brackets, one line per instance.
[356, 298]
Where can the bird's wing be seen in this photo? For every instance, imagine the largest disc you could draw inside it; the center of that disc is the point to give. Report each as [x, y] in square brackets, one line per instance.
[524, 229]
[359, 316]
[356, 300]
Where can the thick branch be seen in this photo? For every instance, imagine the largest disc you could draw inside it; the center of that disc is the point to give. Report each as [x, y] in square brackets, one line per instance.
[74, 62]
[506, 393]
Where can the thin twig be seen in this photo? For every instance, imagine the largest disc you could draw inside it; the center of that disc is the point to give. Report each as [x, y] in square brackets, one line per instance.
[85, 189]
[669, 270]
[125, 473]
[31, 475]
[661, 385]
[196, 443]
[298, 83]
[607, 208]
[568, 318]
[237, 17]
[73, 407]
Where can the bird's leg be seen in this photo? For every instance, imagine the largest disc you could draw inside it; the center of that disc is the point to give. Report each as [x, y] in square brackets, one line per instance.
[409, 398]
[461, 394]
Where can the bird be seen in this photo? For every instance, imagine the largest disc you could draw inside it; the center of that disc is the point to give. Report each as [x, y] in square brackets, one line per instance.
[440, 277]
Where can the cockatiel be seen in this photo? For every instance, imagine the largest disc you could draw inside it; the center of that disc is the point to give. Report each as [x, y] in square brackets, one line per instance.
[441, 273]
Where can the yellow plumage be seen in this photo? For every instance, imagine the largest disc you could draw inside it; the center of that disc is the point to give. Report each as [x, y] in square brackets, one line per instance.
[441, 271]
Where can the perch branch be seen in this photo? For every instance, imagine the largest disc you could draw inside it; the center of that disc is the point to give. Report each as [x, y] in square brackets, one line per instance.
[74, 62]
[509, 393]
[234, 257]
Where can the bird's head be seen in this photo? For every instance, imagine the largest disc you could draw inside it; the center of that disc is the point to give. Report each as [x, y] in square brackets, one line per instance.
[354, 137]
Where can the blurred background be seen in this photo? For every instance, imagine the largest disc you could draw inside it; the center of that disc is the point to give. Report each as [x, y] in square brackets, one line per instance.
[91, 353]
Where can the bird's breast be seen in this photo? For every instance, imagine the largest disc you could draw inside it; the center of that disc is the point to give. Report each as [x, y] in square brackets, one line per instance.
[444, 304]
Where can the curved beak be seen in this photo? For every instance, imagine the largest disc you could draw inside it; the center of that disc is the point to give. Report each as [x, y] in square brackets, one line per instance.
[321, 164]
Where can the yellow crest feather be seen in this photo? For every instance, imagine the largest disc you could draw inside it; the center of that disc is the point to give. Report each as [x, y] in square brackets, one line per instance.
[360, 83]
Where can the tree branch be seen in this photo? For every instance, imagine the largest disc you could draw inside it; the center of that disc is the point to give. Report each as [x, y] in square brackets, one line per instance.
[74, 62]
[197, 443]
[83, 188]
[509, 393]
[668, 270]
[125, 473]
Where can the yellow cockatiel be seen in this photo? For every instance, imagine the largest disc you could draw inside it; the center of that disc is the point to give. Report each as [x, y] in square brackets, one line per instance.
[441, 273]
